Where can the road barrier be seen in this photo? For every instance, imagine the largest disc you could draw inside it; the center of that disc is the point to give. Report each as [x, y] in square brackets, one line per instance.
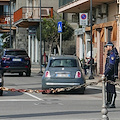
[57, 90]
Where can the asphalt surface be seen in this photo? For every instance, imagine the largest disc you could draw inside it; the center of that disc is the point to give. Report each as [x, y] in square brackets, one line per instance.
[33, 106]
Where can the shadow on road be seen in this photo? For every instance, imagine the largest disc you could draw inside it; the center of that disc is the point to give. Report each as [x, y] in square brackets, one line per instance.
[46, 114]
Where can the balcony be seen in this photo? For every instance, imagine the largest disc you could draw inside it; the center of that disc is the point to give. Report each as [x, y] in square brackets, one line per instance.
[5, 23]
[30, 16]
[77, 6]
[64, 2]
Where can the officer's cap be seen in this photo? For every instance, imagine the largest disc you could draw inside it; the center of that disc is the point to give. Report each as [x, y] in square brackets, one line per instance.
[109, 44]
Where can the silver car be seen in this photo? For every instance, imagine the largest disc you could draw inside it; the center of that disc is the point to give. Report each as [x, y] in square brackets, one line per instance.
[63, 71]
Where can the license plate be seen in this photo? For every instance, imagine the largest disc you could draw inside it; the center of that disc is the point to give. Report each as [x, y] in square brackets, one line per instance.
[14, 59]
[62, 75]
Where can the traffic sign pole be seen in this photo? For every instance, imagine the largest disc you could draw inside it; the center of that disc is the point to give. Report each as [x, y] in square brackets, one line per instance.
[60, 43]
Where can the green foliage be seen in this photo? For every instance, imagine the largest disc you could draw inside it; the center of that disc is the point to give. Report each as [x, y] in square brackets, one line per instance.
[68, 31]
[50, 31]
[6, 44]
[4, 35]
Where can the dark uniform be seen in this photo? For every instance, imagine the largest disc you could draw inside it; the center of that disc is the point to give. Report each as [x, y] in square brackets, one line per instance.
[110, 74]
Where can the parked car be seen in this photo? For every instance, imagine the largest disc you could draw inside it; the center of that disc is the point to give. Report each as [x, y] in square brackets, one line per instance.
[63, 71]
[15, 61]
[1, 81]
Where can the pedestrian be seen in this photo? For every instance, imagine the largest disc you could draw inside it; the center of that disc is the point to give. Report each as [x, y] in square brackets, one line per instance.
[111, 71]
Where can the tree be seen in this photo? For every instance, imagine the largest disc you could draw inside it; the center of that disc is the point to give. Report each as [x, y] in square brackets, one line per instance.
[50, 32]
[6, 43]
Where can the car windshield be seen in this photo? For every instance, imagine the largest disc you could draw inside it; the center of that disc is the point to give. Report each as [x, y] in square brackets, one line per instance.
[15, 53]
[63, 63]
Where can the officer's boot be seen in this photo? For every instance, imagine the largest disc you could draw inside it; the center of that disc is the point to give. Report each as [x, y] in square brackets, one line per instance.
[108, 99]
[112, 105]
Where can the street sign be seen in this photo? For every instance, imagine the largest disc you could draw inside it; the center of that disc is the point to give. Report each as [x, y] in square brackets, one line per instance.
[60, 27]
[83, 19]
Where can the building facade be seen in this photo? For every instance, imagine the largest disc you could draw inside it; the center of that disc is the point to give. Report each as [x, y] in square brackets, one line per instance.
[25, 19]
[105, 18]
[26, 29]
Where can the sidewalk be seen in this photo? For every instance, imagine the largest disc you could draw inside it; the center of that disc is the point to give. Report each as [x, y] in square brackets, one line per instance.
[97, 78]
[35, 68]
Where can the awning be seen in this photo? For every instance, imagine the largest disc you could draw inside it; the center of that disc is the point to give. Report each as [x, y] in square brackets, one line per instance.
[81, 5]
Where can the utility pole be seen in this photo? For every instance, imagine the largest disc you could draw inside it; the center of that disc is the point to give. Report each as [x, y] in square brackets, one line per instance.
[10, 26]
[91, 76]
[40, 43]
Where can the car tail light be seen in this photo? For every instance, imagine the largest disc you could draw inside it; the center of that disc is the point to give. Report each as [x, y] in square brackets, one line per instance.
[26, 66]
[27, 58]
[7, 66]
[78, 74]
[4, 58]
[47, 74]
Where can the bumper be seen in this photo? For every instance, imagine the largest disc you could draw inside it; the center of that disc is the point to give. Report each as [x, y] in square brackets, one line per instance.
[61, 83]
[16, 69]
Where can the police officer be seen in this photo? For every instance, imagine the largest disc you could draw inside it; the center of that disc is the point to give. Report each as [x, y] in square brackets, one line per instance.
[109, 73]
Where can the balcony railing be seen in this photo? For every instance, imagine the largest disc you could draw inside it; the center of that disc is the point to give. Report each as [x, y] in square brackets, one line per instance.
[64, 2]
[32, 13]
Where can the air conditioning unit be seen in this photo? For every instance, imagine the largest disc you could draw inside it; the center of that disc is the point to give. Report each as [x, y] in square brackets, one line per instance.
[104, 9]
[45, 12]
[98, 12]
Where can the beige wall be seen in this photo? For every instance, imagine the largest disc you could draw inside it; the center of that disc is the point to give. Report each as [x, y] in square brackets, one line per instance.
[44, 3]
[20, 3]
[112, 11]
[50, 3]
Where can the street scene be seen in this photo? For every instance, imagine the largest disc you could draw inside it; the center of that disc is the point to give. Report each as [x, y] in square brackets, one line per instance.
[35, 106]
[59, 59]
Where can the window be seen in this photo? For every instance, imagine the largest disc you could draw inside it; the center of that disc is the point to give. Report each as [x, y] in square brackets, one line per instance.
[15, 53]
[63, 63]
[109, 33]
[6, 10]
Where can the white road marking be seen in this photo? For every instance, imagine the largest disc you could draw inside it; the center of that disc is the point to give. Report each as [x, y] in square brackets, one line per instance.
[13, 100]
[34, 96]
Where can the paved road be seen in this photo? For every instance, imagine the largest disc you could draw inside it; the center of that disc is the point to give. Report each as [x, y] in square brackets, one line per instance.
[33, 106]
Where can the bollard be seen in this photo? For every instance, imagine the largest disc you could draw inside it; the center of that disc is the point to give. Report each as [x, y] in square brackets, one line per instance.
[104, 110]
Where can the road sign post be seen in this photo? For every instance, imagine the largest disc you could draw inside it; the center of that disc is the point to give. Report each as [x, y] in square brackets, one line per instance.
[83, 23]
[60, 31]
[83, 19]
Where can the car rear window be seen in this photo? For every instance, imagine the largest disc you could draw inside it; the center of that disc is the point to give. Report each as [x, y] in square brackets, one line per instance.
[15, 53]
[63, 63]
